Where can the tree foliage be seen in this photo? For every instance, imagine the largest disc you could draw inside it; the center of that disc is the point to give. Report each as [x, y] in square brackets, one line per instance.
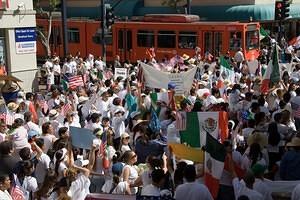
[172, 3]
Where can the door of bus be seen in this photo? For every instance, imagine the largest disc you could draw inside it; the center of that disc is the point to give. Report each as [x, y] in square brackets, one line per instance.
[124, 44]
[212, 42]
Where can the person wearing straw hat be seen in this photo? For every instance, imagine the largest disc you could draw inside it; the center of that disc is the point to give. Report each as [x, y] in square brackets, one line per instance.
[290, 162]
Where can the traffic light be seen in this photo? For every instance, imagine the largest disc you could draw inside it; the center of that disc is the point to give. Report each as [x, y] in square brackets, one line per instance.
[110, 17]
[282, 9]
[278, 10]
[285, 9]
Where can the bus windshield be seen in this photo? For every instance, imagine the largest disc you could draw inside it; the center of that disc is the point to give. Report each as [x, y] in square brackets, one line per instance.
[252, 40]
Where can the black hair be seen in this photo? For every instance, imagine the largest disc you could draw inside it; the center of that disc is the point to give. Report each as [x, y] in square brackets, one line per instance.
[273, 134]
[45, 127]
[190, 173]
[29, 95]
[62, 131]
[3, 177]
[27, 116]
[18, 122]
[25, 153]
[255, 153]
[157, 175]
[40, 142]
[6, 147]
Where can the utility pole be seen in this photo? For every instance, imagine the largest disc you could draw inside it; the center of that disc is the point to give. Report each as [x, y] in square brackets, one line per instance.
[188, 5]
[103, 27]
[64, 26]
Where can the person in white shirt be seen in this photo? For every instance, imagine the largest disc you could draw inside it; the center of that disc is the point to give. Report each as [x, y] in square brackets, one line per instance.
[245, 187]
[4, 186]
[29, 125]
[43, 164]
[68, 67]
[192, 190]
[56, 70]
[259, 184]
[94, 122]
[48, 136]
[153, 189]
[118, 124]
[239, 57]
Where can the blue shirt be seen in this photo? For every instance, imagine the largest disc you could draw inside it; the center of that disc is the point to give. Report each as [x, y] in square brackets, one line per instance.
[290, 165]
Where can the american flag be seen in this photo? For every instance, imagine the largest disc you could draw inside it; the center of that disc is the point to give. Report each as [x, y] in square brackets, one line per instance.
[103, 143]
[66, 108]
[75, 81]
[3, 116]
[17, 193]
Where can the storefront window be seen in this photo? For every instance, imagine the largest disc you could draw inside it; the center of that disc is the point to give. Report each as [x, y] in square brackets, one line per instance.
[166, 39]
[235, 41]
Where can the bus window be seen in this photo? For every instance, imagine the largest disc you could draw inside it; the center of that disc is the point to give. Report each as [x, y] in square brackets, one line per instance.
[208, 46]
[145, 38]
[73, 35]
[217, 43]
[252, 40]
[120, 40]
[129, 40]
[235, 41]
[187, 40]
[166, 39]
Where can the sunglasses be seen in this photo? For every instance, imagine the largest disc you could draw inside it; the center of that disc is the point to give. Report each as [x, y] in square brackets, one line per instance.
[134, 156]
[127, 138]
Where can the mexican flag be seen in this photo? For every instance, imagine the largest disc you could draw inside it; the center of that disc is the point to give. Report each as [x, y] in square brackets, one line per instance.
[262, 33]
[193, 137]
[160, 96]
[215, 154]
[272, 74]
[226, 69]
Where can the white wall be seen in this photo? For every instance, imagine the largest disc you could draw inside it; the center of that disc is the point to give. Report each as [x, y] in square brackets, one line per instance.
[23, 66]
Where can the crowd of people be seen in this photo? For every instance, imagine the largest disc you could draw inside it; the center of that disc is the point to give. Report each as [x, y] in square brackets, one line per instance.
[129, 156]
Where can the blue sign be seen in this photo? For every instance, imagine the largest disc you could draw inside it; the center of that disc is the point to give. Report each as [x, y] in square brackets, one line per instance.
[25, 40]
[25, 34]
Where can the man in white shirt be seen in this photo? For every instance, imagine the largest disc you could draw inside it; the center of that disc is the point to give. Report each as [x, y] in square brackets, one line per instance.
[43, 163]
[152, 189]
[239, 57]
[192, 190]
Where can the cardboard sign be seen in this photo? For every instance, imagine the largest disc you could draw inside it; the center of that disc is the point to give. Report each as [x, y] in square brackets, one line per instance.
[120, 72]
[82, 137]
[177, 79]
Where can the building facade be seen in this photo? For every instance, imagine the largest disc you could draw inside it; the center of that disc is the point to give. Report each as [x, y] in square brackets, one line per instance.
[17, 40]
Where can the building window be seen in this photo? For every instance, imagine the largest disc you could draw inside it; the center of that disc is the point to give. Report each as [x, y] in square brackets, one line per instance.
[166, 39]
[73, 35]
[145, 38]
[187, 40]
[235, 41]
[252, 39]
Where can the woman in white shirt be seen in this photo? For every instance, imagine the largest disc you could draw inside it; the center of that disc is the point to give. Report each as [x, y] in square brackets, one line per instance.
[25, 180]
[125, 139]
[129, 172]
[19, 135]
[4, 186]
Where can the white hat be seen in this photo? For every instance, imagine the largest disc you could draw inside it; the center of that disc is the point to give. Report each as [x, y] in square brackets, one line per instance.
[119, 109]
[125, 135]
[134, 114]
[80, 162]
[53, 114]
[82, 99]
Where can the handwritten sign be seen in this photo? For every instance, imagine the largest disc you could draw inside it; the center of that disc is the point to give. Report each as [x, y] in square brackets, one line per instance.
[178, 81]
[120, 72]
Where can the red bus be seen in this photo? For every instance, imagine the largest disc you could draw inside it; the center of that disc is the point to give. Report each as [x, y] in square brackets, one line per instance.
[167, 34]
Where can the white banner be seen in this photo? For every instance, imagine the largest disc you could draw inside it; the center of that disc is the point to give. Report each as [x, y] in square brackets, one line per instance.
[158, 79]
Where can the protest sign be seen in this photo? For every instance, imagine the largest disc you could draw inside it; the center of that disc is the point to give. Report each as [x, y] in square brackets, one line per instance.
[82, 137]
[120, 72]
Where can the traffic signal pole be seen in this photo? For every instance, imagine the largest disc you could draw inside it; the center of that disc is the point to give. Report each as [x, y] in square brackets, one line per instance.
[103, 30]
[64, 26]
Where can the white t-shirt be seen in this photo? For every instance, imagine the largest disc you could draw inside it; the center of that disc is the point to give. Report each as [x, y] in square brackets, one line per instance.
[261, 187]
[48, 141]
[150, 190]
[119, 189]
[41, 168]
[80, 188]
[241, 189]
[192, 191]
[4, 195]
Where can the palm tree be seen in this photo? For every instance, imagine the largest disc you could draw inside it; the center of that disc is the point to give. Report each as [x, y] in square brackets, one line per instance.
[172, 3]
